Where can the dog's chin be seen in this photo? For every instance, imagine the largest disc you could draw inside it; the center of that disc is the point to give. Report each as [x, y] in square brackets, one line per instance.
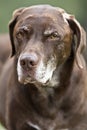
[30, 80]
[25, 80]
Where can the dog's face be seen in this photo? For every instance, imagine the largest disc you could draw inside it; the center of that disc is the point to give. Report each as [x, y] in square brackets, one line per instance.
[42, 40]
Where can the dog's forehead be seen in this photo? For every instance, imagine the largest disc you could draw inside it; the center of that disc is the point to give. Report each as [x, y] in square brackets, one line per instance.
[43, 11]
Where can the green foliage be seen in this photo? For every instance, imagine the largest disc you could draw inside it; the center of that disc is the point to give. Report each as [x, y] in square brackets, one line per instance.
[2, 128]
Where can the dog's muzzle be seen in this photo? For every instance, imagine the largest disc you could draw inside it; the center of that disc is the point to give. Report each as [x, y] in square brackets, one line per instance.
[32, 69]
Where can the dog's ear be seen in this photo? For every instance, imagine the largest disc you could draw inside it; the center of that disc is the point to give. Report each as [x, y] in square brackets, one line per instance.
[12, 24]
[79, 37]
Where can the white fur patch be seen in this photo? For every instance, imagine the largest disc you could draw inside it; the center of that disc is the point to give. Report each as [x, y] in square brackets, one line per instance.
[19, 71]
[44, 73]
[34, 126]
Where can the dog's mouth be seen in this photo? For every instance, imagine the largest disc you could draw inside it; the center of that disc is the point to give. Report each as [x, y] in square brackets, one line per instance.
[25, 77]
[28, 78]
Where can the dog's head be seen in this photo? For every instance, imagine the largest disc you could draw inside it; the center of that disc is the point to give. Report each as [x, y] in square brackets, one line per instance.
[43, 38]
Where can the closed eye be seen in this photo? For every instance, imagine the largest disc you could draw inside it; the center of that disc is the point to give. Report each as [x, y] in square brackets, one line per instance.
[19, 35]
[23, 32]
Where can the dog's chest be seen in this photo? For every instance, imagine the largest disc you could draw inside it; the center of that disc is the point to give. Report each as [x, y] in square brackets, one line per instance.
[46, 125]
[45, 120]
[41, 127]
[41, 111]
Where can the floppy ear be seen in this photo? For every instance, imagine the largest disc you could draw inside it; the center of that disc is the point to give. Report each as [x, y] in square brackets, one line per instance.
[79, 37]
[12, 24]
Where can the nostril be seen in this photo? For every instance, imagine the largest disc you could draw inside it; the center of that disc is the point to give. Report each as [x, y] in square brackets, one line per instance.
[31, 63]
[22, 62]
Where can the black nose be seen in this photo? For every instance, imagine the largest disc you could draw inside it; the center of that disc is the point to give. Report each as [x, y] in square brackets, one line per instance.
[28, 61]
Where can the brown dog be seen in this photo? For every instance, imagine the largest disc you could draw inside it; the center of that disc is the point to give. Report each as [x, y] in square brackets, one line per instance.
[44, 85]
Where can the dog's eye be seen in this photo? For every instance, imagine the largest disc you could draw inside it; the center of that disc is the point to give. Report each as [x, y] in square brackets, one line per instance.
[19, 35]
[54, 36]
[23, 32]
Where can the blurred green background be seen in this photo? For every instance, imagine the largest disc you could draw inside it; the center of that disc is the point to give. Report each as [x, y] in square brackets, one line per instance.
[76, 7]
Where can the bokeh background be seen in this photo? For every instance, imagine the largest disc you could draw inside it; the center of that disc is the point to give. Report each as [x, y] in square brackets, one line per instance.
[76, 7]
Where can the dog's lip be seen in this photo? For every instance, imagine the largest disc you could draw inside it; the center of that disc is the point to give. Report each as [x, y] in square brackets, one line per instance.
[28, 78]
[31, 80]
[25, 77]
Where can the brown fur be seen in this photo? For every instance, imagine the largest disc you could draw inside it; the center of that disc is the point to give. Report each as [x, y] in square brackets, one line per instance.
[5, 49]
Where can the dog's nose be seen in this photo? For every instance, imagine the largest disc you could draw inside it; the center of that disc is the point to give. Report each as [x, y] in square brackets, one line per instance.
[28, 61]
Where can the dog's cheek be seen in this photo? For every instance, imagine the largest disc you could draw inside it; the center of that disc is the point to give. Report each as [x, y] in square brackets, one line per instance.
[18, 46]
[60, 53]
[44, 73]
[63, 52]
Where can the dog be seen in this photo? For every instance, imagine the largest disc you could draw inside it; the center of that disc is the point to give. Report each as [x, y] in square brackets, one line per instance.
[43, 86]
